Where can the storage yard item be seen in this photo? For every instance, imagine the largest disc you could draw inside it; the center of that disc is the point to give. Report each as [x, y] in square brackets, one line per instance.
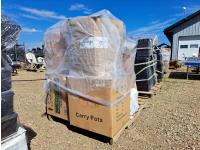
[8, 125]
[7, 102]
[192, 62]
[97, 60]
[91, 49]
[32, 64]
[166, 58]
[15, 142]
[145, 63]
[13, 138]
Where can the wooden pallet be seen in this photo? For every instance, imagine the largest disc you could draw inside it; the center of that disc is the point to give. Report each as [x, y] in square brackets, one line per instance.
[154, 90]
[141, 102]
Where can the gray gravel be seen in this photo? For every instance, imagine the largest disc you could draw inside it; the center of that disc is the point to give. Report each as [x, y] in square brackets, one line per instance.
[171, 120]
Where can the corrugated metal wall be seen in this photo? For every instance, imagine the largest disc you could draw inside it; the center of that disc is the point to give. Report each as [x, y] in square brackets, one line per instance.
[189, 28]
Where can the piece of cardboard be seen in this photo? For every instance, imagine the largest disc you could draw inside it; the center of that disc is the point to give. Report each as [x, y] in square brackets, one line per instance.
[98, 118]
[57, 99]
[57, 105]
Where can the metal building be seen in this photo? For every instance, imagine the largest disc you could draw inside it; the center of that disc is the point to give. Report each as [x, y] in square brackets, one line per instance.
[184, 37]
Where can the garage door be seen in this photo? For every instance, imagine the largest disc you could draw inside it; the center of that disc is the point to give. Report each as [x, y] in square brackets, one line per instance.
[188, 46]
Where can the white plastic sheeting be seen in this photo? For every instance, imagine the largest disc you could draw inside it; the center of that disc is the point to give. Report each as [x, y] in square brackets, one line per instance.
[15, 142]
[134, 106]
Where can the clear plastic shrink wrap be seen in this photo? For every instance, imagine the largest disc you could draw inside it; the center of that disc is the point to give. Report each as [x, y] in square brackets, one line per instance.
[93, 55]
[9, 33]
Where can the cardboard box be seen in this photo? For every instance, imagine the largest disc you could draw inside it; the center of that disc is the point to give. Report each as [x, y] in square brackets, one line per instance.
[107, 90]
[98, 118]
[57, 99]
[57, 104]
[94, 55]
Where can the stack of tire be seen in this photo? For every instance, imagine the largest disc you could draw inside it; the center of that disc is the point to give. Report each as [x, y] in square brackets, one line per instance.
[9, 33]
[8, 116]
[160, 64]
[145, 65]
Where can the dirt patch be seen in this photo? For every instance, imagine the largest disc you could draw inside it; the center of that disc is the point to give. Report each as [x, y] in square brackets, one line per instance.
[171, 120]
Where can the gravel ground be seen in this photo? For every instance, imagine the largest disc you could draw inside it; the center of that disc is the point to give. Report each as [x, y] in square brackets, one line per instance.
[170, 120]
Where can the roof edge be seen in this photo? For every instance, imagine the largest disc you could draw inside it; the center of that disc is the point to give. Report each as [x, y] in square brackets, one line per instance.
[181, 21]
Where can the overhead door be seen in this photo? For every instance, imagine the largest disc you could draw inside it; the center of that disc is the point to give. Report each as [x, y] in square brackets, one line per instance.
[188, 46]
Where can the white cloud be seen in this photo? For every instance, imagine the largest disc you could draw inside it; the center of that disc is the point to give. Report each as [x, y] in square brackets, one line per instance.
[153, 27]
[30, 30]
[42, 13]
[87, 12]
[80, 7]
[30, 16]
[157, 26]
[76, 7]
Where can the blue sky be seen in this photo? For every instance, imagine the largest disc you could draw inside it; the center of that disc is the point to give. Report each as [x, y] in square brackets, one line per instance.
[140, 17]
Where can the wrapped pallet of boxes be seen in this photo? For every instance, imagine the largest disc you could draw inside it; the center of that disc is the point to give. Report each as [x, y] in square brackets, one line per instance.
[98, 63]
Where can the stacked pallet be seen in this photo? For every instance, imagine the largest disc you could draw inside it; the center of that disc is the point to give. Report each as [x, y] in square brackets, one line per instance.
[145, 64]
[9, 117]
[9, 123]
[160, 64]
[90, 73]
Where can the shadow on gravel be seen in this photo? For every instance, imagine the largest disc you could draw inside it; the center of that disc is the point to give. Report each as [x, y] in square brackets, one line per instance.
[30, 134]
[82, 131]
[27, 80]
[183, 75]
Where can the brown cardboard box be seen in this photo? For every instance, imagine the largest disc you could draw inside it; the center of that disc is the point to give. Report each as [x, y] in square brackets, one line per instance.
[98, 118]
[55, 46]
[57, 104]
[96, 43]
[107, 90]
[57, 99]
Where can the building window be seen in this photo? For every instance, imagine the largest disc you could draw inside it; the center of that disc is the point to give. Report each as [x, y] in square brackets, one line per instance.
[193, 45]
[183, 46]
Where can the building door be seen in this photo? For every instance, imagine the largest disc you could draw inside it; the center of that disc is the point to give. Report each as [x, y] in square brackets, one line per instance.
[188, 46]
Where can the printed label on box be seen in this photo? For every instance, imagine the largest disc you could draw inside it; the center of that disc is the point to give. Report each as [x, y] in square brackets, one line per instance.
[88, 117]
[94, 42]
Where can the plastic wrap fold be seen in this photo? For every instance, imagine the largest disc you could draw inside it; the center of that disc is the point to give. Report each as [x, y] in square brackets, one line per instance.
[94, 56]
